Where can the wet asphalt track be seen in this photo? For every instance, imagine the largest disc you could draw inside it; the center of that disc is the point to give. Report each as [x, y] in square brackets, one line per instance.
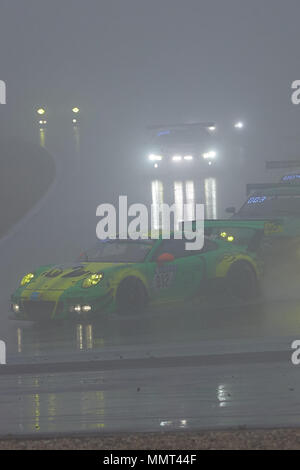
[212, 368]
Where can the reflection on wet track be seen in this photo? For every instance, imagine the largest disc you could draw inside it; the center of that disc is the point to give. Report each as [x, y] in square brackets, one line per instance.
[181, 326]
[149, 399]
[184, 192]
[250, 388]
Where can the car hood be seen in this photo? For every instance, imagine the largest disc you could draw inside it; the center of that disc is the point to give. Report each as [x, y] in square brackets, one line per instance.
[63, 276]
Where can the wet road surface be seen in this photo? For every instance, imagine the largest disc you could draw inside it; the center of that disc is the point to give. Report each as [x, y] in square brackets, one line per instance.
[185, 368]
[248, 391]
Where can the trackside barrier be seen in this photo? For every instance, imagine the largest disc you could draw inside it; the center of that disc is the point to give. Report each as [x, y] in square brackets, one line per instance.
[2, 353]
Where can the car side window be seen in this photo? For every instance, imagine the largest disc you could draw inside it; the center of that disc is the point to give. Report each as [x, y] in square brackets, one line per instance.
[174, 247]
[209, 245]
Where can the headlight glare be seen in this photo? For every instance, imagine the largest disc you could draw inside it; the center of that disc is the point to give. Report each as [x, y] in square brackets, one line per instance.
[92, 280]
[26, 279]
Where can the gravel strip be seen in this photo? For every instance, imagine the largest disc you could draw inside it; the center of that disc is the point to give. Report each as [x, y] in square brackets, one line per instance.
[282, 439]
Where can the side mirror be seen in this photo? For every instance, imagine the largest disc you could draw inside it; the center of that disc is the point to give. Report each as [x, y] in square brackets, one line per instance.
[82, 257]
[165, 258]
[230, 210]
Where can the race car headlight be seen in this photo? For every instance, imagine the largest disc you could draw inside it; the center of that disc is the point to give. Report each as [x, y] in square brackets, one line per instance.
[26, 279]
[92, 280]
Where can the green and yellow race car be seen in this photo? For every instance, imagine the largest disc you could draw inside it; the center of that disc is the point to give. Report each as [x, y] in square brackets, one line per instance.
[127, 275]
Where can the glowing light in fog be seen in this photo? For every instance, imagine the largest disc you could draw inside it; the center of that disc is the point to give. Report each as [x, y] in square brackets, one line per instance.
[190, 200]
[86, 308]
[153, 157]
[210, 154]
[239, 125]
[212, 128]
[75, 110]
[89, 337]
[42, 137]
[223, 396]
[79, 335]
[210, 191]
[177, 158]
[178, 197]
[157, 201]
[188, 157]
[19, 339]
[41, 111]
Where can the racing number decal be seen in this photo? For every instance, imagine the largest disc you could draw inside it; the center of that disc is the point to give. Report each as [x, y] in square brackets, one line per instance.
[164, 276]
[163, 280]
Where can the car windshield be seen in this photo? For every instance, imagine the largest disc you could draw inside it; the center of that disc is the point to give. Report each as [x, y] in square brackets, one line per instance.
[270, 206]
[118, 251]
[191, 140]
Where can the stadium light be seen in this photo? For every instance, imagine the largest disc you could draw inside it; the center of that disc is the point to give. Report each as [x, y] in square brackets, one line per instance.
[188, 157]
[177, 158]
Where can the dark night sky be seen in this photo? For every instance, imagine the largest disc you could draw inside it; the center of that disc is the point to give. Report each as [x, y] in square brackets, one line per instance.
[130, 63]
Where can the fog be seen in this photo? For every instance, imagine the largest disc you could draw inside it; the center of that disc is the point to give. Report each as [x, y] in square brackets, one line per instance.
[132, 64]
[128, 66]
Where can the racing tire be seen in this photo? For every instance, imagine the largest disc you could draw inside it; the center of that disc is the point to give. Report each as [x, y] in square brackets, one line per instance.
[131, 296]
[241, 282]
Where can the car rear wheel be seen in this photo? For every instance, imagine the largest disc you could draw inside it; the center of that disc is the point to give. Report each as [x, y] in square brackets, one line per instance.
[241, 281]
[131, 296]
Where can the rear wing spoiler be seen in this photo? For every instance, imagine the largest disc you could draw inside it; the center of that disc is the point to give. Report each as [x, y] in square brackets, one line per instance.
[266, 226]
[282, 164]
[212, 226]
[181, 126]
[257, 224]
[260, 186]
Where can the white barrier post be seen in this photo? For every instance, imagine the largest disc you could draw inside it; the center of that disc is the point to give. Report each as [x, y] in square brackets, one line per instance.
[2, 352]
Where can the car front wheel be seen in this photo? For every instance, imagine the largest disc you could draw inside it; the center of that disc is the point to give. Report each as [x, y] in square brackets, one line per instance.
[131, 297]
